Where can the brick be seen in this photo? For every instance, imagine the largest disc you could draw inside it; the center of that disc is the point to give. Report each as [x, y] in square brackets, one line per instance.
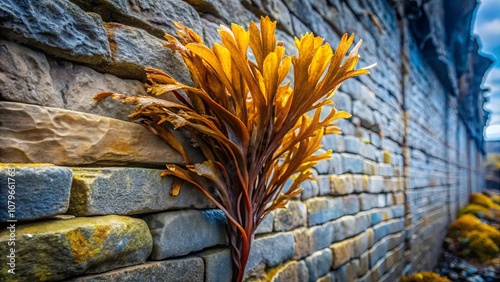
[178, 233]
[294, 215]
[303, 243]
[319, 264]
[40, 190]
[342, 252]
[345, 227]
[324, 184]
[321, 236]
[218, 265]
[352, 144]
[385, 170]
[352, 163]
[376, 184]
[321, 210]
[368, 201]
[310, 189]
[360, 244]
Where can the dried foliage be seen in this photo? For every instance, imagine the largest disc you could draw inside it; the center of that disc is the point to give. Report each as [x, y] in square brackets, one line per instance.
[425, 277]
[252, 127]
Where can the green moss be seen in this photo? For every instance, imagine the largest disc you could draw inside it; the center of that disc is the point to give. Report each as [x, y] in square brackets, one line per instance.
[427, 276]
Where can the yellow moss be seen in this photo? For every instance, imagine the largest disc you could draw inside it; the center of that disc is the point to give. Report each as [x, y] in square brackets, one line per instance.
[480, 245]
[5, 165]
[463, 224]
[387, 157]
[427, 276]
[493, 262]
[491, 232]
[482, 200]
[475, 209]
[83, 247]
[495, 199]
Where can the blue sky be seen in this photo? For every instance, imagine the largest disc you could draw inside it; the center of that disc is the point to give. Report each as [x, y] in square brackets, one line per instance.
[487, 28]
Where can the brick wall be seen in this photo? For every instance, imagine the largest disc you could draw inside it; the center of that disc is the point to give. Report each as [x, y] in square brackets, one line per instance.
[90, 204]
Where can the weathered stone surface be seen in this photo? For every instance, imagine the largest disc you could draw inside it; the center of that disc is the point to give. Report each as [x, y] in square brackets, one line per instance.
[133, 49]
[33, 191]
[376, 184]
[282, 246]
[319, 264]
[321, 210]
[303, 243]
[57, 27]
[377, 252]
[321, 236]
[364, 263]
[58, 249]
[49, 135]
[292, 271]
[352, 163]
[385, 170]
[224, 11]
[324, 166]
[360, 244]
[178, 270]
[178, 233]
[334, 142]
[342, 101]
[350, 204]
[155, 16]
[275, 9]
[363, 112]
[310, 189]
[218, 265]
[99, 191]
[344, 227]
[267, 225]
[352, 144]
[342, 252]
[324, 184]
[293, 216]
[368, 201]
[30, 77]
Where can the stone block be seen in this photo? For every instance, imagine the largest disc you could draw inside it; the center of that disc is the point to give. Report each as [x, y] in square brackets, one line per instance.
[133, 49]
[352, 144]
[334, 142]
[376, 184]
[57, 27]
[345, 227]
[363, 221]
[28, 76]
[155, 16]
[357, 183]
[324, 166]
[342, 101]
[369, 151]
[218, 265]
[321, 210]
[121, 190]
[385, 170]
[33, 191]
[303, 243]
[364, 264]
[352, 163]
[336, 165]
[293, 216]
[178, 233]
[292, 271]
[319, 264]
[176, 270]
[377, 252]
[370, 167]
[367, 201]
[49, 135]
[363, 112]
[321, 236]
[324, 184]
[282, 246]
[59, 249]
[310, 189]
[350, 204]
[266, 226]
[342, 252]
[360, 244]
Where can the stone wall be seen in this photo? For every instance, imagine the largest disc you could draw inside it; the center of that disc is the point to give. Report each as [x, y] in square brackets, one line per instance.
[90, 204]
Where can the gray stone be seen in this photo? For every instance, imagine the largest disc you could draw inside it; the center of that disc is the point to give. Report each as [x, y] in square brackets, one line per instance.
[33, 191]
[345, 227]
[377, 252]
[303, 243]
[282, 246]
[176, 270]
[319, 264]
[178, 233]
[218, 265]
[342, 102]
[376, 184]
[49, 135]
[276, 9]
[369, 151]
[363, 112]
[310, 189]
[334, 142]
[385, 170]
[352, 163]
[321, 236]
[292, 271]
[352, 144]
[30, 77]
[324, 166]
[99, 191]
[363, 221]
[336, 165]
[324, 184]
[59, 249]
[350, 204]
[57, 27]
[370, 167]
[266, 226]
[368, 201]
[155, 16]
[133, 49]
[224, 11]
[293, 216]
[321, 210]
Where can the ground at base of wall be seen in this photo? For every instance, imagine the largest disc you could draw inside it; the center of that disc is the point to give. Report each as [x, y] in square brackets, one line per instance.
[459, 269]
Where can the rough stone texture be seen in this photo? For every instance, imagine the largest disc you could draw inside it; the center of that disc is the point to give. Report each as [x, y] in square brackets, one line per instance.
[342, 252]
[58, 249]
[49, 135]
[321, 236]
[57, 27]
[178, 270]
[352, 163]
[267, 225]
[303, 243]
[293, 216]
[33, 191]
[345, 227]
[30, 77]
[291, 272]
[321, 210]
[155, 16]
[282, 246]
[218, 266]
[178, 233]
[319, 264]
[99, 191]
[133, 49]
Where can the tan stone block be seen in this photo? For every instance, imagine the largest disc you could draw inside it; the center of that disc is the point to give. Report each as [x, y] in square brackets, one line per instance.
[342, 252]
